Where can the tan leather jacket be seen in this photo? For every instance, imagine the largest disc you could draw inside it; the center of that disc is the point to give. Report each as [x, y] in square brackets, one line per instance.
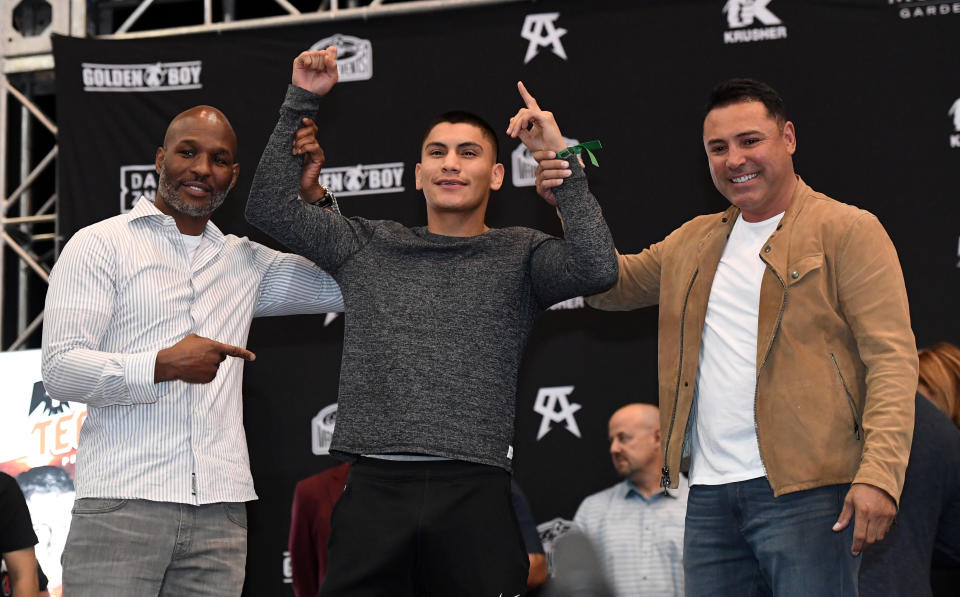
[836, 357]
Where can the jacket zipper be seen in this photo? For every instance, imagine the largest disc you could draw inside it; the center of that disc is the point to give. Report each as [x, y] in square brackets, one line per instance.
[665, 472]
[853, 407]
[756, 388]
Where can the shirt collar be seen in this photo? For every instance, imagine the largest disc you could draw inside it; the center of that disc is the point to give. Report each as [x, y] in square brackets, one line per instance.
[630, 490]
[145, 208]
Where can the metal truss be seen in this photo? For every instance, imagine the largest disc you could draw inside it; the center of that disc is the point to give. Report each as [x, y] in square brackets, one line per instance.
[26, 230]
[29, 235]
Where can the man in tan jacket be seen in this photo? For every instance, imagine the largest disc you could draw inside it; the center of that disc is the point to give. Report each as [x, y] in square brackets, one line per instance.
[787, 364]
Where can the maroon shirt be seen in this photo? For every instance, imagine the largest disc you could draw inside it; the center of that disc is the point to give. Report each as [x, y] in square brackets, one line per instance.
[313, 502]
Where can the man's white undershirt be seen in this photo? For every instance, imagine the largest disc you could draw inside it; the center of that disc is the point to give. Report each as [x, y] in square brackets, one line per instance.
[723, 437]
[192, 243]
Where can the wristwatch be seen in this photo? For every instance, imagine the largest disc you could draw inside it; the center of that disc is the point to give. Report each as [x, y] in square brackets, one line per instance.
[326, 200]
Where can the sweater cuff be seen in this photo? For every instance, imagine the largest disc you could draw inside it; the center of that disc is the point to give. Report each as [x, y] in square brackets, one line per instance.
[577, 170]
[299, 99]
[574, 186]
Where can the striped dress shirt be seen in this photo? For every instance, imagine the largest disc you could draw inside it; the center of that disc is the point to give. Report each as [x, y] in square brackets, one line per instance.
[125, 288]
[639, 539]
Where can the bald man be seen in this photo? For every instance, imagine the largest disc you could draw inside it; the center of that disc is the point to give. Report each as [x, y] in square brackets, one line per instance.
[636, 526]
[146, 322]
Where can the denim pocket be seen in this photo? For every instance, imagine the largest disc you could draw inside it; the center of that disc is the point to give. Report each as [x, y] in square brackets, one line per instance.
[236, 512]
[98, 505]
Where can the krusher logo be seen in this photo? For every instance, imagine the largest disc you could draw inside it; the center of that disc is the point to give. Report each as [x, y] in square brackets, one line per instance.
[159, 76]
[135, 181]
[546, 405]
[354, 56]
[955, 112]
[741, 14]
[524, 167]
[539, 30]
[911, 9]
[364, 179]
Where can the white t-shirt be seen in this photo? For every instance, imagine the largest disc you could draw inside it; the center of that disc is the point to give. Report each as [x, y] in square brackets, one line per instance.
[192, 243]
[723, 437]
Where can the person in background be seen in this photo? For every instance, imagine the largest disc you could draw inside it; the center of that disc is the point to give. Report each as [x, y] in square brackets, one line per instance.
[313, 502]
[636, 526]
[531, 538]
[44, 582]
[50, 493]
[17, 540]
[927, 529]
[940, 378]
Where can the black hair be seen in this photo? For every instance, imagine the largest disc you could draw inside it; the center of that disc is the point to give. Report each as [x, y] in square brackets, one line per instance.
[738, 90]
[461, 116]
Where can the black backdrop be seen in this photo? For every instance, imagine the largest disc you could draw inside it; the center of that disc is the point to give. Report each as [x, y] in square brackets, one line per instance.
[868, 83]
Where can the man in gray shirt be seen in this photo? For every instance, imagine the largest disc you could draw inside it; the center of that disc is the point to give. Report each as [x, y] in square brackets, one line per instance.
[436, 323]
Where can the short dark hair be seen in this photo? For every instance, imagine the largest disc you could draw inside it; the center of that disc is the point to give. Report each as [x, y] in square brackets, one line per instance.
[462, 116]
[737, 90]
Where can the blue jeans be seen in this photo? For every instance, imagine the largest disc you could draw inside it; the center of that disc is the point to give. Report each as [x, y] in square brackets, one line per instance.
[741, 541]
[141, 548]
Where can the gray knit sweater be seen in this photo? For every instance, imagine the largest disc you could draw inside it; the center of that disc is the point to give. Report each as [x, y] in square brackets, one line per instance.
[435, 326]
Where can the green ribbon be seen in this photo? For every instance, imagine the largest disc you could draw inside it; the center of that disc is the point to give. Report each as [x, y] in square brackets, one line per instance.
[578, 149]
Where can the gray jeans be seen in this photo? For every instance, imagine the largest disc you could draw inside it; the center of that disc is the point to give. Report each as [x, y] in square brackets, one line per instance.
[140, 548]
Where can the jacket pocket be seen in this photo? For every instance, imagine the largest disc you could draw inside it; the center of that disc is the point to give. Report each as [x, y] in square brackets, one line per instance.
[857, 425]
[799, 269]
